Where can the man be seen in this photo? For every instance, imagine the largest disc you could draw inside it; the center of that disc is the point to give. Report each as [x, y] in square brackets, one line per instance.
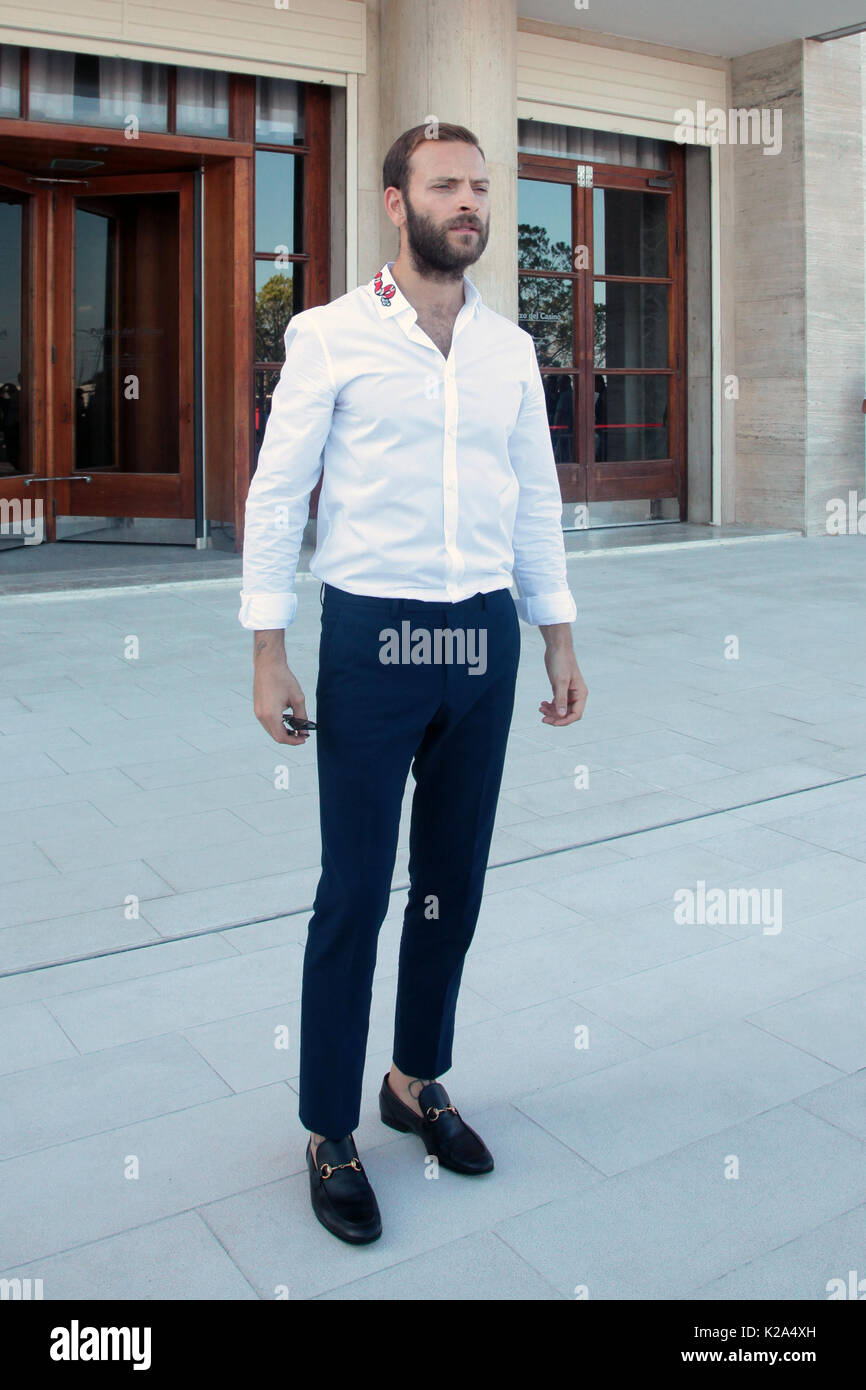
[426, 410]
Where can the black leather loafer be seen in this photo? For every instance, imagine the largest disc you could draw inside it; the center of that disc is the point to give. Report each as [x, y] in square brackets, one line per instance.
[453, 1142]
[343, 1200]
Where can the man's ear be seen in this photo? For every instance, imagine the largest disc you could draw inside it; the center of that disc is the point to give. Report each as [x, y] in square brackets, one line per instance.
[394, 206]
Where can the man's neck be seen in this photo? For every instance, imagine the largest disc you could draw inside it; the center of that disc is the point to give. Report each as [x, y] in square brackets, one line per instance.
[425, 294]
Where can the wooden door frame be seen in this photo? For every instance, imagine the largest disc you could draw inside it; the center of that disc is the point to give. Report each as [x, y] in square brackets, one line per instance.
[34, 350]
[558, 169]
[169, 495]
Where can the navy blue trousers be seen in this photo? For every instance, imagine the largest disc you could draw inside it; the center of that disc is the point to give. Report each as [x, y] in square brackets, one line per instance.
[447, 721]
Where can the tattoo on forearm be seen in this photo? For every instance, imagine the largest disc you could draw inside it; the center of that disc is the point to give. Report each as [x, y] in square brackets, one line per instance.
[261, 644]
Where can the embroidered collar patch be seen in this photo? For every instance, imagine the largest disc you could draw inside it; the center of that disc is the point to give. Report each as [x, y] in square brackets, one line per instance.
[385, 292]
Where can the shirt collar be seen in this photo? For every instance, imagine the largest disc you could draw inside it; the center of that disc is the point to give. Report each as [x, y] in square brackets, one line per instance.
[392, 301]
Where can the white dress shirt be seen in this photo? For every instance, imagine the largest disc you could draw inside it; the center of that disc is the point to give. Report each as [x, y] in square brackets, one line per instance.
[439, 476]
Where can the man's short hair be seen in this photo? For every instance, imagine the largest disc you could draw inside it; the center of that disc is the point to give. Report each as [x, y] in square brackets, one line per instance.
[395, 169]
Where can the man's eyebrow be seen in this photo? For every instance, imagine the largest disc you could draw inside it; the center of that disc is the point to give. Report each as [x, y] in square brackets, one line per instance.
[452, 178]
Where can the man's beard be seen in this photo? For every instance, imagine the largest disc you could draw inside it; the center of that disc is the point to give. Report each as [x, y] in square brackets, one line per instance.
[431, 250]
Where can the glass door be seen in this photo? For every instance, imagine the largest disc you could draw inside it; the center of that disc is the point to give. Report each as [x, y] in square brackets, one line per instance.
[124, 307]
[549, 304]
[633, 440]
[601, 291]
[96, 354]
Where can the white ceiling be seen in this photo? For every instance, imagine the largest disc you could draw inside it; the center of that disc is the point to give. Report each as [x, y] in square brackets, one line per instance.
[726, 30]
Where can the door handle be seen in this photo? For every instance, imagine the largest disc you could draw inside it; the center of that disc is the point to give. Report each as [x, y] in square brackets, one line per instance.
[63, 478]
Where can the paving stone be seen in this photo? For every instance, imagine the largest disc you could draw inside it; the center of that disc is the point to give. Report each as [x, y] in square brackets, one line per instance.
[481, 1265]
[823, 1263]
[28, 985]
[681, 997]
[132, 1009]
[841, 1103]
[177, 1258]
[825, 1022]
[666, 1228]
[74, 1193]
[657, 1102]
[64, 1100]
[29, 1037]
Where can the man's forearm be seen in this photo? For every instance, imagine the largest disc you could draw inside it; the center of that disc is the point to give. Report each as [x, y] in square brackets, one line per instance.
[556, 636]
[270, 645]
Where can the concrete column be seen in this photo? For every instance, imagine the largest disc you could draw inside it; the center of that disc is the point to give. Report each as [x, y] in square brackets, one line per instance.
[770, 270]
[371, 241]
[801, 319]
[455, 60]
[835, 336]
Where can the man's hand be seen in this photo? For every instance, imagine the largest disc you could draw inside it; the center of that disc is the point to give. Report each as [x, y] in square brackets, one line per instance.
[568, 685]
[275, 688]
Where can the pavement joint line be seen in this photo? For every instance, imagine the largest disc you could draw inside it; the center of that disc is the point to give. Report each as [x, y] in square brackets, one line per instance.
[651, 548]
[400, 887]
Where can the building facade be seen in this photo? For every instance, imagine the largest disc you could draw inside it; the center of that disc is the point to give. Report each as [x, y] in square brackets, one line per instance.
[681, 233]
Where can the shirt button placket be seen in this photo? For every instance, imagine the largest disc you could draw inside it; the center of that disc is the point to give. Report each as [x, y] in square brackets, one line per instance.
[449, 481]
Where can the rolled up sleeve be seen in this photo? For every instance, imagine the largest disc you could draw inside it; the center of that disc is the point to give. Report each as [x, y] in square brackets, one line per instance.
[539, 551]
[289, 466]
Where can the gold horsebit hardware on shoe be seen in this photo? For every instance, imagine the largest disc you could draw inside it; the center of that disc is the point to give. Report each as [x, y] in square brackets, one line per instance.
[332, 1167]
[433, 1114]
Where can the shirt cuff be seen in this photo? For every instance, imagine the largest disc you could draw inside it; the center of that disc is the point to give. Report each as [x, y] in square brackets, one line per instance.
[547, 608]
[261, 612]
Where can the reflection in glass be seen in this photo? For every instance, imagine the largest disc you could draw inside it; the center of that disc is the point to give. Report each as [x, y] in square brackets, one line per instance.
[279, 111]
[277, 298]
[202, 102]
[559, 395]
[278, 201]
[265, 382]
[544, 233]
[546, 311]
[96, 344]
[592, 146]
[10, 80]
[127, 366]
[630, 232]
[93, 90]
[631, 418]
[11, 383]
[631, 324]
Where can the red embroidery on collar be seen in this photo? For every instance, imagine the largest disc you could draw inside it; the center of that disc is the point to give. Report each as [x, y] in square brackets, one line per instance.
[385, 294]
